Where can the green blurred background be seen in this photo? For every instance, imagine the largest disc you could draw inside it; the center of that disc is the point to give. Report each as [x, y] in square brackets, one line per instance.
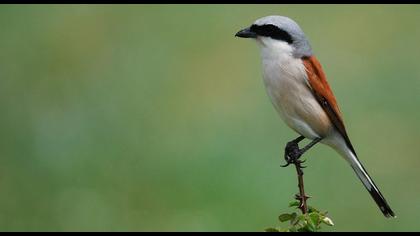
[155, 118]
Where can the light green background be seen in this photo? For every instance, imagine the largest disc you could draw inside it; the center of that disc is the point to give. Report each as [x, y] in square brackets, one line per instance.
[155, 118]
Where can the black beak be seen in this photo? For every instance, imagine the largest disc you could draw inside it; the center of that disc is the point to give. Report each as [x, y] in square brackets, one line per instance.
[246, 33]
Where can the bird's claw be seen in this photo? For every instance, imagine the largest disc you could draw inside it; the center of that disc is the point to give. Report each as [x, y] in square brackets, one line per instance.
[293, 161]
[292, 153]
[300, 164]
[285, 165]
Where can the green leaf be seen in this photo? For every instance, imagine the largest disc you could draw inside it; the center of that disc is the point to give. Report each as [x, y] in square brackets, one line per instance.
[312, 209]
[294, 216]
[301, 217]
[294, 204]
[284, 230]
[285, 217]
[304, 229]
[293, 229]
[311, 228]
[272, 230]
[311, 225]
[301, 223]
[314, 218]
[294, 221]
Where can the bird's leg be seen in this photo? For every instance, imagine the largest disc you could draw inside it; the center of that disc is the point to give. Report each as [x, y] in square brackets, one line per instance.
[292, 153]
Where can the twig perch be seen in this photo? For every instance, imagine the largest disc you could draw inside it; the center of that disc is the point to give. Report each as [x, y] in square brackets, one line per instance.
[301, 196]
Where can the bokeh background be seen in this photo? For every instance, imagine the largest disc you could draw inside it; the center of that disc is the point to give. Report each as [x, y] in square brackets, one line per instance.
[155, 118]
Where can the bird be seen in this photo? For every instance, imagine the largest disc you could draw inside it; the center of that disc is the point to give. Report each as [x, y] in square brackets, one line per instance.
[298, 89]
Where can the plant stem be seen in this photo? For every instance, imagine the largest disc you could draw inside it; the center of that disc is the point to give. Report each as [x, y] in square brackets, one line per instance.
[301, 197]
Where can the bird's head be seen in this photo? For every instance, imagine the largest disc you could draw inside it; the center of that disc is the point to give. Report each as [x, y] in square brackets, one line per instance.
[278, 33]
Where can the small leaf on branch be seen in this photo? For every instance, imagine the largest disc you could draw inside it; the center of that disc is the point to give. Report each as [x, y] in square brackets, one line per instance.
[294, 204]
[272, 230]
[312, 209]
[294, 216]
[285, 217]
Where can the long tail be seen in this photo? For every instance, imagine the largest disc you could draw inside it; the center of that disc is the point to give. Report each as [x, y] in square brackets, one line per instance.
[369, 184]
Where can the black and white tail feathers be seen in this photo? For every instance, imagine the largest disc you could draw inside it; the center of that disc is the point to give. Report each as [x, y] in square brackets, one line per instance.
[369, 184]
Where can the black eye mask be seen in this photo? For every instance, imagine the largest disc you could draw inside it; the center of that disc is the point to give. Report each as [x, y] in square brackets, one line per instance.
[272, 31]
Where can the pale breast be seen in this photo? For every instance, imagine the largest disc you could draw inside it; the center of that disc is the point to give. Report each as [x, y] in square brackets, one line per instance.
[287, 87]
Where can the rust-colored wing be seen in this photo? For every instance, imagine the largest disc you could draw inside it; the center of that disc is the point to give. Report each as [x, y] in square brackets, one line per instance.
[323, 94]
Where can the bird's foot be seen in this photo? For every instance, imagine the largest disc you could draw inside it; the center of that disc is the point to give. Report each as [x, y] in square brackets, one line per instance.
[292, 153]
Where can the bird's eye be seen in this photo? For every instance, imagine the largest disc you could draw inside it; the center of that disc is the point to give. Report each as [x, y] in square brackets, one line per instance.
[272, 31]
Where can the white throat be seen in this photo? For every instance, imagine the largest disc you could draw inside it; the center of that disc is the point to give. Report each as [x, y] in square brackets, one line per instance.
[272, 49]
[278, 61]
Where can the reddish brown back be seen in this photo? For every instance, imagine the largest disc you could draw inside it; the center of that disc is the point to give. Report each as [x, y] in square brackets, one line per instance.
[325, 96]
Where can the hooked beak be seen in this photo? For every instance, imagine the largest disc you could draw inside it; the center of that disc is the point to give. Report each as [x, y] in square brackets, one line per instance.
[246, 33]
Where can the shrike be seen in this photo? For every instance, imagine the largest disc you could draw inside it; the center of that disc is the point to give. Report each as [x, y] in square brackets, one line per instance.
[299, 91]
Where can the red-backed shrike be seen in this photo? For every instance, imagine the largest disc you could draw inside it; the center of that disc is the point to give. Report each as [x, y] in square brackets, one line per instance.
[299, 91]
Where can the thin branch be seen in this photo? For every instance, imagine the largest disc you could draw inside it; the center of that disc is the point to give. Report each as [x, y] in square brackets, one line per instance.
[301, 196]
